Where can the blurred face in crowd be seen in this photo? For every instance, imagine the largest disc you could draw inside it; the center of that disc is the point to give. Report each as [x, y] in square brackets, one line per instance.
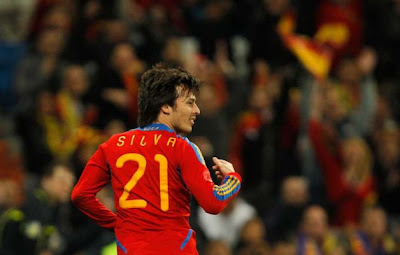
[172, 50]
[335, 107]
[208, 99]
[57, 18]
[158, 15]
[132, 12]
[259, 98]
[261, 73]
[202, 68]
[116, 31]
[353, 151]
[356, 159]
[374, 223]
[123, 57]
[51, 42]
[284, 248]
[182, 115]
[76, 81]
[277, 7]
[389, 147]
[315, 222]
[217, 248]
[253, 231]
[348, 72]
[8, 193]
[45, 103]
[294, 191]
[59, 184]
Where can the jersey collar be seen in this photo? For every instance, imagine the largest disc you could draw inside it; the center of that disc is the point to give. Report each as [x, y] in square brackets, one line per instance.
[157, 126]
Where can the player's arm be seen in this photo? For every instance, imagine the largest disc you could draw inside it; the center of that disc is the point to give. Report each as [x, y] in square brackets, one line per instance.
[94, 177]
[212, 198]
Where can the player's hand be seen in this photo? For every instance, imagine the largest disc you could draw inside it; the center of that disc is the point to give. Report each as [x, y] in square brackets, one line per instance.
[222, 167]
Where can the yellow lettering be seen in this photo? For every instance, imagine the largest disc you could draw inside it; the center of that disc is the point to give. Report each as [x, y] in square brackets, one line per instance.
[121, 141]
[171, 140]
[124, 203]
[156, 139]
[164, 197]
[133, 138]
[142, 142]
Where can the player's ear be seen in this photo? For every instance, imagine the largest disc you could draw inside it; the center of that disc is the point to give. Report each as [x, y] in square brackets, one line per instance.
[166, 109]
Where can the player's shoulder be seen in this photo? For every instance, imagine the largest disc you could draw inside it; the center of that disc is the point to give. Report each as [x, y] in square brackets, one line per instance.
[184, 140]
[191, 147]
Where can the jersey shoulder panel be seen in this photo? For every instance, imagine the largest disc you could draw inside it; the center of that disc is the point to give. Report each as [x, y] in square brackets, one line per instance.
[189, 147]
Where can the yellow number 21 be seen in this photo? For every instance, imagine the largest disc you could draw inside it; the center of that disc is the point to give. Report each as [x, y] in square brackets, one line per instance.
[141, 160]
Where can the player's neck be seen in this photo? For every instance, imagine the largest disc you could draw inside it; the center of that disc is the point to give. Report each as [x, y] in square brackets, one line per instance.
[162, 120]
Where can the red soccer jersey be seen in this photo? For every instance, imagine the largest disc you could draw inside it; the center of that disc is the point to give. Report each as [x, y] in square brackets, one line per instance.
[153, 172]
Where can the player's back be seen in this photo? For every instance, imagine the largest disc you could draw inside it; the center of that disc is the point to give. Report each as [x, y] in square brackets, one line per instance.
[148, 190]
[153, 173]
[150, 196]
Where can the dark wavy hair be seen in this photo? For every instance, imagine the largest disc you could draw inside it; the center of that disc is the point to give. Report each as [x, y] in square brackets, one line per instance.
[158, 87]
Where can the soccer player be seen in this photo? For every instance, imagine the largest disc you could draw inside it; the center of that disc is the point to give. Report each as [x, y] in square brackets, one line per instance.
[154, 170]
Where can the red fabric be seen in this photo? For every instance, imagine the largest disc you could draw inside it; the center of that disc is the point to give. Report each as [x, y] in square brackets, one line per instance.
[350, 15]
[150, 230]
[348, 200]
[291, 128]
[248, 122]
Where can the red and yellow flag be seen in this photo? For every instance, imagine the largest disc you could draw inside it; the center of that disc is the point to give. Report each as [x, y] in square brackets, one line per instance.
[313, 55]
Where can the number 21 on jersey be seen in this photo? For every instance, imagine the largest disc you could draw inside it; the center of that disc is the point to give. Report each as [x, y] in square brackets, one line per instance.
[141, 160]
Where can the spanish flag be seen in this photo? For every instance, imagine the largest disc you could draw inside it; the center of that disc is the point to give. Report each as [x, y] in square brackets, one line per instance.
[313, 55]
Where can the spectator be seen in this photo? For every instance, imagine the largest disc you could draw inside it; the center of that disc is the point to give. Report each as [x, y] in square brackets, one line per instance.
[346, 164]
[60, 119]
[41, 217]
[118, 87]
[252, 238]
[64, 129]
[217, 248]
[253, 141]
[358, 90]
[56, 15]
[387, 167]
[39, 69]
[14, 19]
[283, 220]
[373, 236]
[349, 182]
[36, 151]
[315, 234]
[227, 225]
[284, 248]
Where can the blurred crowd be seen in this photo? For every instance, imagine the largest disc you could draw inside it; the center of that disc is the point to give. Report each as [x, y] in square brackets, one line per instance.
[319, 157]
